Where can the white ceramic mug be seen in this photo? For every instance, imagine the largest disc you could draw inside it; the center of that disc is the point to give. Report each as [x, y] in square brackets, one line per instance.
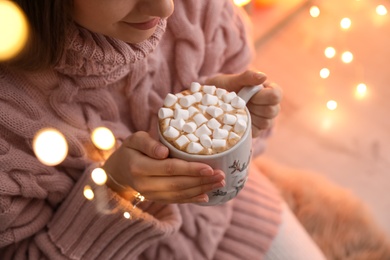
[234, 162]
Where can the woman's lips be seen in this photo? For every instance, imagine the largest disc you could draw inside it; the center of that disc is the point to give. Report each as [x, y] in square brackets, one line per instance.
[146, 25]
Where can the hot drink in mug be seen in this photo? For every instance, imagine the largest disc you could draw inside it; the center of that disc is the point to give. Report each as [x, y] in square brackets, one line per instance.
[210, 125]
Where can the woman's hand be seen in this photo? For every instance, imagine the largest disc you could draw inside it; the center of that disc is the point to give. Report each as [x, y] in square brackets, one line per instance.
[141, 164]
[264, 106]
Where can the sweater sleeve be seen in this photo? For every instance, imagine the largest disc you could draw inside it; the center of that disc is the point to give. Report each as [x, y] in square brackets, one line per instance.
[44, 215]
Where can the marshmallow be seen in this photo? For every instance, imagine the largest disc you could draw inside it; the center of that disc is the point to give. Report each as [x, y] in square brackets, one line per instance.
[179, 95]
[233, 136]
[200, 119]
[227, 127]
[229, 96]
[203, 130]
[202, 108]
[240, 126]
[220, 92]
[187, 101]
[182, 141]
[198, 96]
[238, 102]
[165, 112]
[171, 132]
[229, 119]
[166, 122]
[195, 87]
[209, 100]
[209, 89]
[192, 111]
[213, 123]
[220, 133]
[177, 106]
[205, 140]
[192, 137]
[194, 148]
[181, 113]
[189, 127]
[218, 143]
[226, 107]
[214, 111]
[170, 100]
[242, 117]
[177, 123]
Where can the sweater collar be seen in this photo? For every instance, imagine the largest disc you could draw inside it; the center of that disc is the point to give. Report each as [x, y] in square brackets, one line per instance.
[94, 56]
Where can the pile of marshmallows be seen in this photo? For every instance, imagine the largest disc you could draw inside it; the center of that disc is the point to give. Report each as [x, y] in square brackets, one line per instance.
[203, 119]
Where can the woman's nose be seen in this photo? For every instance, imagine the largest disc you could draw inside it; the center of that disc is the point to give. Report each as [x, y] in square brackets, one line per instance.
[158, 8]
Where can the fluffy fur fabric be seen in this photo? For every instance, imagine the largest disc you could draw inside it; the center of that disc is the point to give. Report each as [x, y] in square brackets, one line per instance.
[337, 221]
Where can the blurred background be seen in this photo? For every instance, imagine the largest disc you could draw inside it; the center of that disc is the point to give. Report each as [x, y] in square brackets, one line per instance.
[332, 60]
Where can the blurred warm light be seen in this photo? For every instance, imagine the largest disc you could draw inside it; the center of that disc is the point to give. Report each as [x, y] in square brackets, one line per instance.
[50, 146]
[264, 3]
[345, 23]
[13, 30]
[331, 105]
[324, 73]
[315, 11]
[381, 10]
[103, 138]
[88, 192]
[127, 215]
[241, 2]
[347, 57]
[361, 90]
[326, 123]
[99, 176]
[330, 52]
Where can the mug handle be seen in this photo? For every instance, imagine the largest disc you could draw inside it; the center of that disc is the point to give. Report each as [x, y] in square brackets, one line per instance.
[247, 93]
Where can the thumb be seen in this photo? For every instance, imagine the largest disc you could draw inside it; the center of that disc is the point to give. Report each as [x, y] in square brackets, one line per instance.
[235, 82]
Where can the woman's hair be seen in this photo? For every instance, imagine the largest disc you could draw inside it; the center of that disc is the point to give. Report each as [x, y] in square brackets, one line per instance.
[48, 22]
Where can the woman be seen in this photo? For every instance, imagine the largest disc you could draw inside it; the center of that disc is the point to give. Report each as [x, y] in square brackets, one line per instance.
[92, 63]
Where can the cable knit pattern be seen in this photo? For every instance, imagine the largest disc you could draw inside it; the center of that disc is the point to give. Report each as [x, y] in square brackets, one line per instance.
[102, 81]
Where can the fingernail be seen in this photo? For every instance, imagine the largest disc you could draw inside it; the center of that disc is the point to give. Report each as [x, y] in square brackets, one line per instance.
[219, 184]
[202, 198]
[162, 151]
[206, 172]
[259, 75]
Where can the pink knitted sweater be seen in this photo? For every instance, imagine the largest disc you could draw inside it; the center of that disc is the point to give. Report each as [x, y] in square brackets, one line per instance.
[104, 82]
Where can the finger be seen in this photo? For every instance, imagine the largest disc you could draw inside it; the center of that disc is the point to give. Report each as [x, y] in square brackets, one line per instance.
[264, 111]
[271, 94]
[235, 82]
[145, 166]
[262, 123]
[176, 183]
[144, 143]
[184, 196]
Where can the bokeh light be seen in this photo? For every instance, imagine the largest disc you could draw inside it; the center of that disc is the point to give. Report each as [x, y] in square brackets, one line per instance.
[127, 215]
[241, 2]
[99, 176]
[330, 52]
[13, 30]
[88, 192]
[361, 90]
[324, 73]
[103, 138]
[345, 23]
[50, 146]
[347, 57]
[315, 11]
[331, 105]
[381, 10]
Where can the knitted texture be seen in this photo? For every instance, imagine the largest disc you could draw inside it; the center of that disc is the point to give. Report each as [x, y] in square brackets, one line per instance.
[102, 81]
